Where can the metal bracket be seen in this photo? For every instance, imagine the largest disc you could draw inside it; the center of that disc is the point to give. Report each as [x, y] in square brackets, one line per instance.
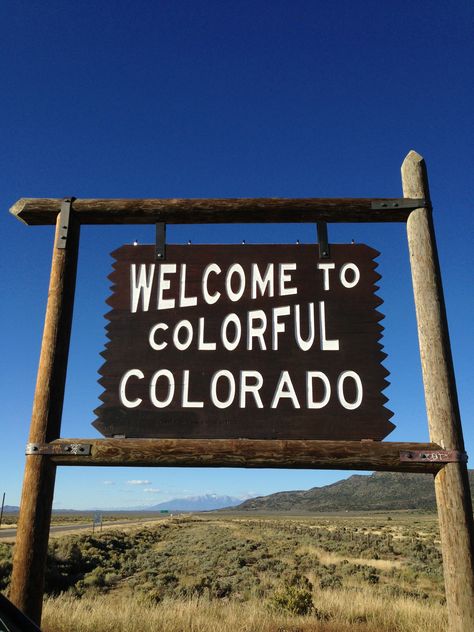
[408, 203]
[433, 456]
[74, 449]
[64, 219]
[161, 241]
[323, 240]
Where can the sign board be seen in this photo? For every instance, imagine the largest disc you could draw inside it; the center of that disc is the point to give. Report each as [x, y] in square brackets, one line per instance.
[247, 341]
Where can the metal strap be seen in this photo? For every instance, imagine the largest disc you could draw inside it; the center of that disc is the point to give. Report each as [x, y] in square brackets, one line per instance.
[323, 240]
[161, 241]
[64, 219]
[74, 449]
[433, 456]
[380, 205]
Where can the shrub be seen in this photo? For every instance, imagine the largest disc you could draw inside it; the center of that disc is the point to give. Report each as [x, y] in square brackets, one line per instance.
[293, 599]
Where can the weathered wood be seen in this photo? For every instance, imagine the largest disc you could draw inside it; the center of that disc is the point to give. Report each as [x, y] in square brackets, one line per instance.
[39, 211]
[249, 453]
[451, 483]
[26, 589]
[351, 317]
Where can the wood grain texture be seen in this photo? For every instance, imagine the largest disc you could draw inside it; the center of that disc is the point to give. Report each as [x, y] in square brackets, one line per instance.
[26, 589]
[248, 453]
[351, 316]
[451, 483]
[40, 211]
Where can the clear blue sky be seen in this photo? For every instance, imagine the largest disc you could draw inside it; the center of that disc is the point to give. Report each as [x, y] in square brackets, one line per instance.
[225, 99]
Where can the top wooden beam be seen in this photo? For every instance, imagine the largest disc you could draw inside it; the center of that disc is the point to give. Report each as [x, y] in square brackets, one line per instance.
[43, 211]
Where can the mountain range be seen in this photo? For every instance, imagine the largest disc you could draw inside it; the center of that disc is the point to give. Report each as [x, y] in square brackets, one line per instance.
[360, 492]
[207, 502]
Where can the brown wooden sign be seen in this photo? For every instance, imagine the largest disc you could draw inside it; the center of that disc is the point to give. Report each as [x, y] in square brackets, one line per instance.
[248, 341]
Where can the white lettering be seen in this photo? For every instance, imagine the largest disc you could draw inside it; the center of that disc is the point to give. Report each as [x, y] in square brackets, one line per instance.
[325, 267]
[245, 387]
[141, 288]
[340, 390]
[285, 389]
[157, 346]
[326, 345]
[215, 378]
[130, 403]
[277, 326]
[171, 386]
[186, 403]
[183, 324]
[185, 301]
[343, 275]
[254, 331]
[164, 284]
[304, 345]
[210, 298]
[230, 345]
[202, 345]
[262, 282]
[310, 376]
[286, 278]
[235, 268]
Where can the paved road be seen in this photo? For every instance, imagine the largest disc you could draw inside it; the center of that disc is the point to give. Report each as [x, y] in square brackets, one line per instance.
[9, 534]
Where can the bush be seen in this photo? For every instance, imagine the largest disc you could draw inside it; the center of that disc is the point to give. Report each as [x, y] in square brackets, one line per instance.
[295, 596]
[293, 599]
[330, 581]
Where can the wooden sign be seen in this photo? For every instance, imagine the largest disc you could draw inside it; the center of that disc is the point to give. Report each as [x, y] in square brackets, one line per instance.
[248, 341]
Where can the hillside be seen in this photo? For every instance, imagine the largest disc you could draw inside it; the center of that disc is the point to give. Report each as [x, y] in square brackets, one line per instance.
[381, 490]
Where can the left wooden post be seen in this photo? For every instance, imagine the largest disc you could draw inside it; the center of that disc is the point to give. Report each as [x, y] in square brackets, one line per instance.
[29, 560]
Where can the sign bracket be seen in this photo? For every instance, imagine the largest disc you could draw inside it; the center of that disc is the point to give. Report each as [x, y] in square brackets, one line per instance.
[64, 220]
[433, 456]
[324, 252]
[160, 241]
[399, 203]
[73, 449]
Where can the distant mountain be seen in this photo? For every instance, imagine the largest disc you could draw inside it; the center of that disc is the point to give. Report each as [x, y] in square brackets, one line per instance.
[378, 491]
[208, 502]
[197, 503]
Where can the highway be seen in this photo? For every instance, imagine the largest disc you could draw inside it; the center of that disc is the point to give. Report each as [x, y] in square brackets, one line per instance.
[9, 534]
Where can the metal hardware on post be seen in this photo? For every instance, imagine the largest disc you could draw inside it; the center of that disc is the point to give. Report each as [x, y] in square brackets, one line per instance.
[323, 240]
[379, 205]
[161, 241]
[74, 449]
[434, 456]
[64, 218]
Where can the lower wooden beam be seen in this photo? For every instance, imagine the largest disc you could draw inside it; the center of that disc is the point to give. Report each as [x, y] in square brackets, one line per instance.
[248, 453]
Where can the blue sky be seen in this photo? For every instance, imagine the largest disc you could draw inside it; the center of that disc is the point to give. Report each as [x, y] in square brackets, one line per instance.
[225, 99]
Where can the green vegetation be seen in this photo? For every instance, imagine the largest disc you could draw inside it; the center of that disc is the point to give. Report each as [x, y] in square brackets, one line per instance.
[315, 568]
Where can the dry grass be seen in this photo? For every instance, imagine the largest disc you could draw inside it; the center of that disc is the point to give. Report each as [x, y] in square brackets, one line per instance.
[212, 573]
[326, 557]
[339, 611]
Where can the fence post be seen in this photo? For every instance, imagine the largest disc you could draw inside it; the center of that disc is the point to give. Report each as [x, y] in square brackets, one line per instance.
[451, 483]
[29, 561]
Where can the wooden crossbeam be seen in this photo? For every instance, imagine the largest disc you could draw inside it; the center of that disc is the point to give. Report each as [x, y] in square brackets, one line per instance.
[247, 453]
[42, 211]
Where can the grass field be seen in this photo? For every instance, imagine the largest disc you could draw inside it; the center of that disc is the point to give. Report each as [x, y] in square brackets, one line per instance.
[374, 572]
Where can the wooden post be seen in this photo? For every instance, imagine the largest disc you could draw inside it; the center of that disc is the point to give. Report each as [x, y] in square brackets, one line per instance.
[26, 590]
[451, 483]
